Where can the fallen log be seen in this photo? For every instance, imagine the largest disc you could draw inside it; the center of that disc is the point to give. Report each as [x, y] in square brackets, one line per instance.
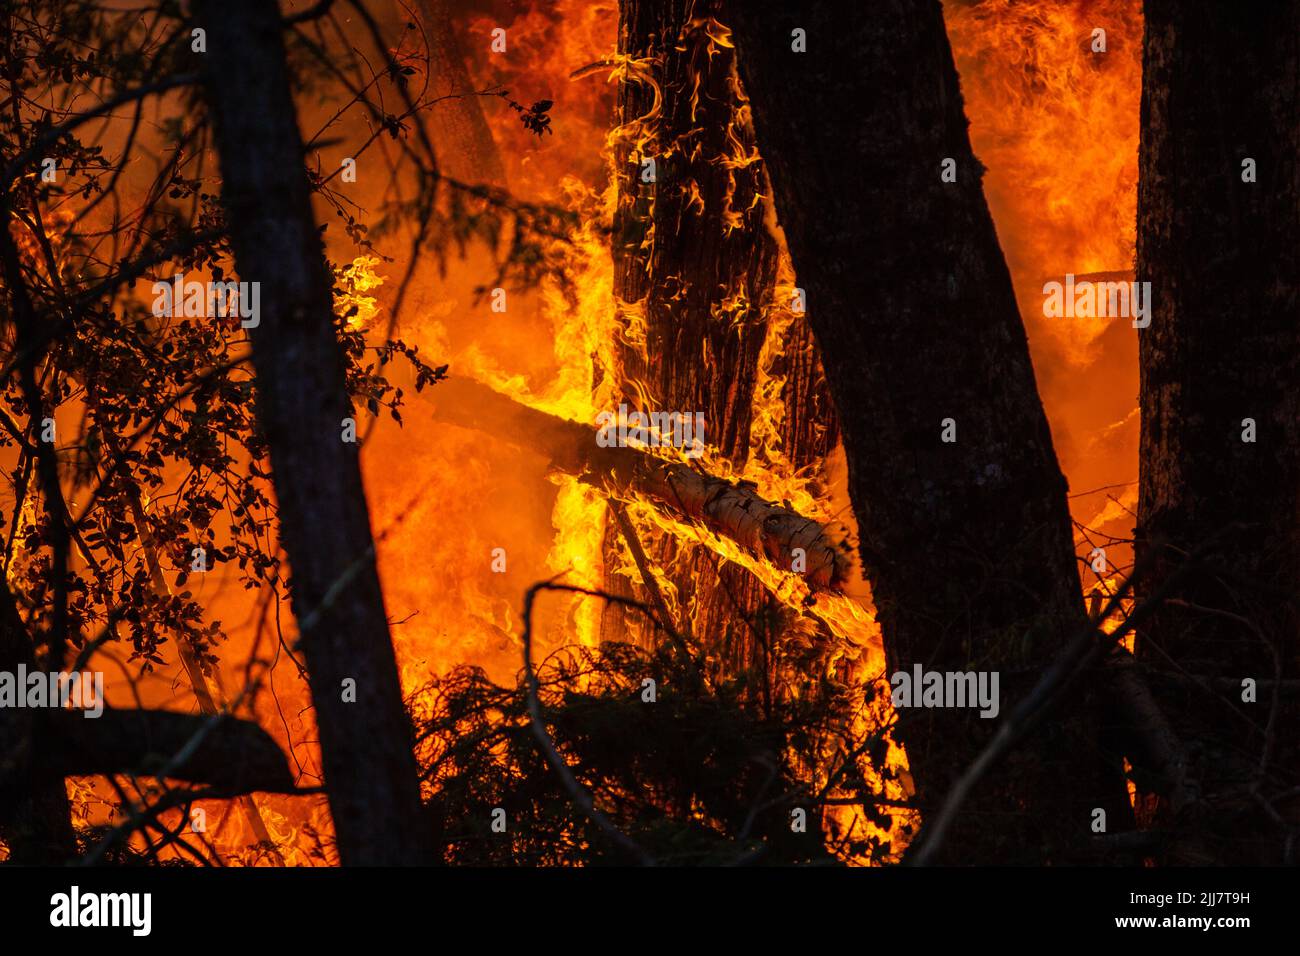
[219, 750]
[731, 509]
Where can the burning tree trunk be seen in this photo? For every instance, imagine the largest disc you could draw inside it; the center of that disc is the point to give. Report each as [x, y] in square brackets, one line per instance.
[1219, 241]
[365, 740]
[965, 535]
[694, 270]
[691, 253]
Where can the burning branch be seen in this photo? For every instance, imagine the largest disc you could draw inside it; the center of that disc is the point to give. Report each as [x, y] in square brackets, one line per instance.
[730, 509]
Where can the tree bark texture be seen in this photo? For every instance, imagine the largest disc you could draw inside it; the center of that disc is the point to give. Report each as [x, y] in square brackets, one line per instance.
[459, 130]
[695, 266]
[1221, 85]
[967, 544]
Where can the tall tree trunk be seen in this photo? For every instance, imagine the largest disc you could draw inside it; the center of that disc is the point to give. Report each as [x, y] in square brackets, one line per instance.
[35, 821]
[967, 544]
[459, 130]
[35, 818]
[370, 769]
[694, 266]
[1221, 85]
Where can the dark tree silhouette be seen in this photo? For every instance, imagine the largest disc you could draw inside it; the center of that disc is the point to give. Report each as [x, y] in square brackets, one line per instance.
[302, 401]
[1221, 105]
[967, 545]
[35, 819]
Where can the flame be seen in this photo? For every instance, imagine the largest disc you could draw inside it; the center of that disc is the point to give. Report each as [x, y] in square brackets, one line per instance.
[1055, 121]
[1055, 124]
[1059, 135]
[356, 279]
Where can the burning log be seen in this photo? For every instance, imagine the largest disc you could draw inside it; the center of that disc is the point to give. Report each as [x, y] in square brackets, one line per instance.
[733, 510]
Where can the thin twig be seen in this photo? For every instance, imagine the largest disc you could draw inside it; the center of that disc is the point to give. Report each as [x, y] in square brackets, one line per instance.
[1078, 655]
[576, 790]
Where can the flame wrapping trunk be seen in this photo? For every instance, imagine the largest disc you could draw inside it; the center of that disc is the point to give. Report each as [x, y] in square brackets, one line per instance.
[693, 272]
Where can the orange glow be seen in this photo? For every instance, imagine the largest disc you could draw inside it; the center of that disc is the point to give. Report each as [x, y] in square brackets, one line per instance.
[1056, 125]
[464, 524]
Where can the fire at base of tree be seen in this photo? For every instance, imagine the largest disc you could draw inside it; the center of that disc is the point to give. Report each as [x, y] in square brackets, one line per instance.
[671, 760]
[314, 318]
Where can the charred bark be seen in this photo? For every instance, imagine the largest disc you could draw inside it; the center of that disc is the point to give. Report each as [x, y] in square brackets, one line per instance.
[370, 769]
[1220, 86]
[694, 269]
[967, 544]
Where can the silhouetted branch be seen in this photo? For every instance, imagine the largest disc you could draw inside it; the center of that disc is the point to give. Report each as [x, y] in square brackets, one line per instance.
[578, 792]
[1083, 651]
